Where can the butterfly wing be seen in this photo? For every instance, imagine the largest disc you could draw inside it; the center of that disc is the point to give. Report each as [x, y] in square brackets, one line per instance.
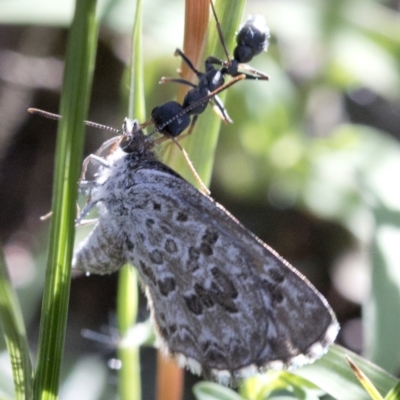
[224, 302]
[103, 251]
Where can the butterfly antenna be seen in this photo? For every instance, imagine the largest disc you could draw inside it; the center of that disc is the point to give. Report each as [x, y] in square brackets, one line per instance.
[57, 117]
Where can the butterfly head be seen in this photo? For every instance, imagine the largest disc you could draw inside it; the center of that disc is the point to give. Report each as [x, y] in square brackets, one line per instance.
[134, 138]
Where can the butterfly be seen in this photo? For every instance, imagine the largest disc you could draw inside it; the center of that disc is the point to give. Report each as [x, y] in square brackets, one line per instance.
[224, 303]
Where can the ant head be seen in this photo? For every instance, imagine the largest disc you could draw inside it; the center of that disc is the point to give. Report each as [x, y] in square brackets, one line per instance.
[252, 39]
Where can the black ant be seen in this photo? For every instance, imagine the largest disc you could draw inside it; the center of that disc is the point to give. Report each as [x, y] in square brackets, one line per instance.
[110, 144]
[251, 40]
[172, 118]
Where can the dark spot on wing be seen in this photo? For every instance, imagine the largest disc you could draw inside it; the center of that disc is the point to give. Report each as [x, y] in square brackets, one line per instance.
[165, 229]
[156, 256]
[194, 255]
[129, 245]
[193, 303]
[223, 300]
[147, 271]
[182, 217]
[172, 329]
[166, 286]
[210, 237]
[273, 290]
[207, 242]
[277, 296]
[156, 206]
[222, 280]
[206, 249]
[206, 297]
[276, 275]
[163, 332]
[214, 357]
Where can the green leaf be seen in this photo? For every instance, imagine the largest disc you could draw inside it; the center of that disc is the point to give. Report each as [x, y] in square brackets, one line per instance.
[79, 67]
[394, 394]
[213, 391]
[333, 374]
[12, 323]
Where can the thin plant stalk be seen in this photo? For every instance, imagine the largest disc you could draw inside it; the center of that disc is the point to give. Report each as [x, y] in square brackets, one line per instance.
[129, 383]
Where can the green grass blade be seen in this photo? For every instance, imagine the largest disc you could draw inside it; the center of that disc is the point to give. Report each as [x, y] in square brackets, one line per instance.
[203, 141]
[381, 319]
[129, 385]
[394, 394]
[136, 106]
[13, 327]
[333, 374]
[364, 381]
[128, 352]
[70, 138]
[213, 391]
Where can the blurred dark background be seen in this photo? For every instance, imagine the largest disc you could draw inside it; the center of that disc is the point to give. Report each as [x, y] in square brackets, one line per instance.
[310, 164]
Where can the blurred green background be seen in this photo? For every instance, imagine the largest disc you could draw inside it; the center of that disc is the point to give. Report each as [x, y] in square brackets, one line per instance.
[309, 164]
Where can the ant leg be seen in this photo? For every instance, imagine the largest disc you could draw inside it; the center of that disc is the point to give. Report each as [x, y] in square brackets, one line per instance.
[181, 54]
[221, 36]
[186, 134]
[253, 73]
[211, 95]
[191, 127]
[216, 61]
[203, 186]
[220, 110]
[177, 80]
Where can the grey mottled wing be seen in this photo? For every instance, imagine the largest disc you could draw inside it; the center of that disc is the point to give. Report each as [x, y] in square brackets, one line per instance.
[223, 301]
[103, 251]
